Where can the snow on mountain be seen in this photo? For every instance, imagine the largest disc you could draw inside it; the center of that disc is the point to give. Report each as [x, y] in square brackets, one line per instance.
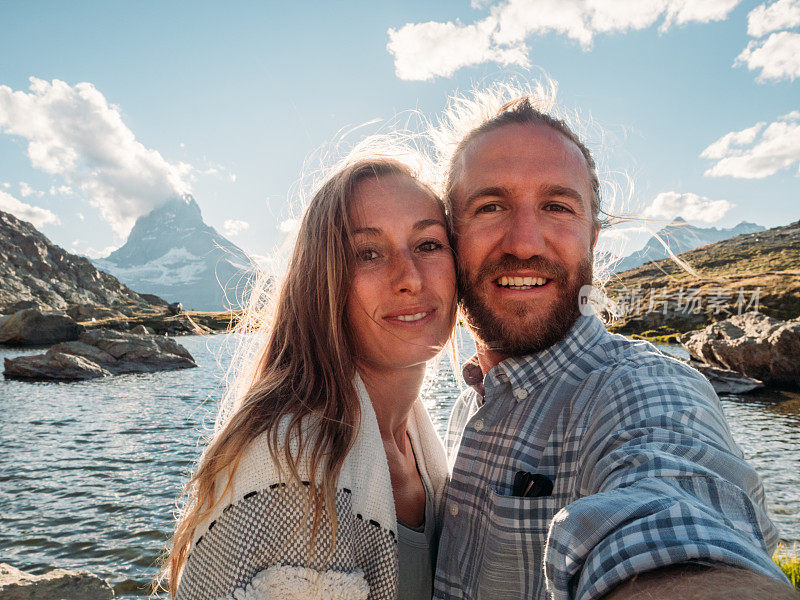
[171, 252]
[681, 237]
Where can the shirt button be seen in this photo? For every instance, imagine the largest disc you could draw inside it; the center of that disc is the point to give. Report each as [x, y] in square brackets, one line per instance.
[454, 509]
[478, 425]
[521, 394]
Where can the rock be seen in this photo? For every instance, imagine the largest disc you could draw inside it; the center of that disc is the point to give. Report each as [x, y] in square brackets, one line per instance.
[87, 312]
[58, 584]
[18, 306]
[725, 381]
[100, 353]
[53, 366]
[752, 344]
[142, 330]
[175, 308]
[32, 327]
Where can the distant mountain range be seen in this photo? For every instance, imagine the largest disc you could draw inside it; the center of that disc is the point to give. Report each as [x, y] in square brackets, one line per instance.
[681, 237]
[34, 269]
[172, 253]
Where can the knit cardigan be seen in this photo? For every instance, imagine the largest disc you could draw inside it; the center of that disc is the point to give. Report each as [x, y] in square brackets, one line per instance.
[255, 543]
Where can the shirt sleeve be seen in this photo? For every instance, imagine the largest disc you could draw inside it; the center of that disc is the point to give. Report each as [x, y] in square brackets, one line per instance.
[661, 483]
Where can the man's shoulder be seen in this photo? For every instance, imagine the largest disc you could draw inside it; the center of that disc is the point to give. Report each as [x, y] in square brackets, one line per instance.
[618, 358]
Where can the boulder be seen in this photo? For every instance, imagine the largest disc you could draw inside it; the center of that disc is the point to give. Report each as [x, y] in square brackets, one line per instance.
[58, 584]
[752, 344]
[100, 353]
[87, 312]
[32, 327]
[175, 308]
[18, 306]
[727, 382]
[142, 330]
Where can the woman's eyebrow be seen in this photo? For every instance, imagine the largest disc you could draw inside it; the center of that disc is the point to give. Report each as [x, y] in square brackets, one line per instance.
[367, 231]
[425, 223]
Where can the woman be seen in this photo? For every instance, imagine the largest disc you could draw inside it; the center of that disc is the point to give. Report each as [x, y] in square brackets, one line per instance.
[329, 453]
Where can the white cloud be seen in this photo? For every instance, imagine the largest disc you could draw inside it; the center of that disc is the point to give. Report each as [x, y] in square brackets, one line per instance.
[6, 185]
[689, 206]
[764, 19]
[288, 225]
[26, 190]
[232, 227]
[80, 216]
[97, 253]
[73, 131]
[427, 50]
[62, 190]
[757, 152]
[778, 56]
[34, 214]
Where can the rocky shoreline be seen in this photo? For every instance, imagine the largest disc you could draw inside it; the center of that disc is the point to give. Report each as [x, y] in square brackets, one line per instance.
[104, 342]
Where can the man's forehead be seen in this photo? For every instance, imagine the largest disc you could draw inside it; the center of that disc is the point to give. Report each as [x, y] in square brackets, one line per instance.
[518, 148]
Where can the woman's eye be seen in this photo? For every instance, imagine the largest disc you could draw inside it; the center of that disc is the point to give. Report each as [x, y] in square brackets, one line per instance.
[430, 246]
[367, 255]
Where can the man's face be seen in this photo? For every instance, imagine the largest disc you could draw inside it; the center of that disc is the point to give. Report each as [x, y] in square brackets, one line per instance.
[524, 235]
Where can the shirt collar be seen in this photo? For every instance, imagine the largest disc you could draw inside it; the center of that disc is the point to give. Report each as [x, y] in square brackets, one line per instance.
[527, 371]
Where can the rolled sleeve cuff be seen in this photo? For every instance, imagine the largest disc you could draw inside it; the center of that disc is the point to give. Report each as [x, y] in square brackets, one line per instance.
[603, 540]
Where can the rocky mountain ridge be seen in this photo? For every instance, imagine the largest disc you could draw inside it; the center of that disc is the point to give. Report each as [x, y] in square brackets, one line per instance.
[173, 253]
[34, 269]
[681, 237]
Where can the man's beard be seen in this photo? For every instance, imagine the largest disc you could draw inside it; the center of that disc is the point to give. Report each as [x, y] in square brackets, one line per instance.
[519, 336]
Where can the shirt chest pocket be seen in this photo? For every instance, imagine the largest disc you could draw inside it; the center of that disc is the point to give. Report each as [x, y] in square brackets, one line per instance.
[513, 552]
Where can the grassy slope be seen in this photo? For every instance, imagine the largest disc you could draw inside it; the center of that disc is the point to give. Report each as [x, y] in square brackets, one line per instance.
[769, 260]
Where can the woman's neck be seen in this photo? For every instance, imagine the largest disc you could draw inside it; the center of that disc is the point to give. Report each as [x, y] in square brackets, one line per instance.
[392, 393]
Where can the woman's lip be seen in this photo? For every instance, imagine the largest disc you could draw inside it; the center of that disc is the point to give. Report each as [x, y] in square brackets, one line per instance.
[425, 313]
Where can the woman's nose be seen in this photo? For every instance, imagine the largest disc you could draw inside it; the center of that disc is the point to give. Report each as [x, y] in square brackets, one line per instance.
[406, 272]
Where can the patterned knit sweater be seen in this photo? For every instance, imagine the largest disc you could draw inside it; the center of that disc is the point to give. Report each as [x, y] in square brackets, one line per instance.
[255, 544]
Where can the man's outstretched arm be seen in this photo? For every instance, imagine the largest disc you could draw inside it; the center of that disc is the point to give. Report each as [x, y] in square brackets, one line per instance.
[681, 582]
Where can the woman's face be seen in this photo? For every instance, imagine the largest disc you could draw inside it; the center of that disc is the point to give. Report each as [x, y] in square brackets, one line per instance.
[401, 306]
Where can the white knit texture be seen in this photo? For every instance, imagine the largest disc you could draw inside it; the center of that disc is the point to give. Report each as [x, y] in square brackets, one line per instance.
[302, 583]
[365, 470]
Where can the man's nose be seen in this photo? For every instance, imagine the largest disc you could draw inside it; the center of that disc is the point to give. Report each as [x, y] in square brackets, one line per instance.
[406, 273]
[524, 236]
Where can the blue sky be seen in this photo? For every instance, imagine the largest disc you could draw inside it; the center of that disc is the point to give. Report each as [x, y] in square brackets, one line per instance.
[696, 101]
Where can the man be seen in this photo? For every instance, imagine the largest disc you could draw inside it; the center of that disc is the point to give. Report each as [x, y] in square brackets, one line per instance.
[581, 460]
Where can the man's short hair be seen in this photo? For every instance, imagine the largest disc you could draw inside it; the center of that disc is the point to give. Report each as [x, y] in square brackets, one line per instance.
[522, 111]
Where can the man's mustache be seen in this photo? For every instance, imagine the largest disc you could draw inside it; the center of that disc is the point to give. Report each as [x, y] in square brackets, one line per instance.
[543, 267]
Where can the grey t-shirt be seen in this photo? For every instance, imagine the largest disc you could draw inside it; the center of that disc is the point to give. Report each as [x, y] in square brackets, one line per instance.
[416, 548]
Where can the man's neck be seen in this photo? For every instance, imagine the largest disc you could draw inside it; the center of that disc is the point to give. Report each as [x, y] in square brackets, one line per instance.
[488, 358]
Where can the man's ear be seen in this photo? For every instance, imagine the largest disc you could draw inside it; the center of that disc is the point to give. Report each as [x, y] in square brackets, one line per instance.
[596, 234]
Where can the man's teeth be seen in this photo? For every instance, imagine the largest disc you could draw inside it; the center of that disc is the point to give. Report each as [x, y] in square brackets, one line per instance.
[415, 317]
[526, 282]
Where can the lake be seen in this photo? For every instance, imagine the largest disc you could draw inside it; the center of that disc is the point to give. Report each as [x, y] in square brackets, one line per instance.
[90, 471]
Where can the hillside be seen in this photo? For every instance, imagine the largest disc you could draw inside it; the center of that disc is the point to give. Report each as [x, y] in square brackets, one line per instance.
[733, 275]
[681, 237]
[32, 268]
[173, 253]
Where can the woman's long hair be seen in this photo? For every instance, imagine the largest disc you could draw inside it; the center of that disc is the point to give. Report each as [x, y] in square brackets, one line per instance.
[304, 369]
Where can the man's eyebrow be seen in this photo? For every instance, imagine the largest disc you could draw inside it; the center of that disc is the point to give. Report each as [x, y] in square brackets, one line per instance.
[492, 190]
[561, 190]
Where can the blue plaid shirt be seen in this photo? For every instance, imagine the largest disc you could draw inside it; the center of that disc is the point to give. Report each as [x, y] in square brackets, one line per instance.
[645, 472]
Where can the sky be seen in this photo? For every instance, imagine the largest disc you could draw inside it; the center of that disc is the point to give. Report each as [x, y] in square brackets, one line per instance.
[107, 109]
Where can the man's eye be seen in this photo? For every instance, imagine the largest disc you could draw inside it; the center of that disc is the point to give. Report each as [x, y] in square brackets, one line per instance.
[430, 246]
[558, 208]
[489, 208]
[367, 255]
